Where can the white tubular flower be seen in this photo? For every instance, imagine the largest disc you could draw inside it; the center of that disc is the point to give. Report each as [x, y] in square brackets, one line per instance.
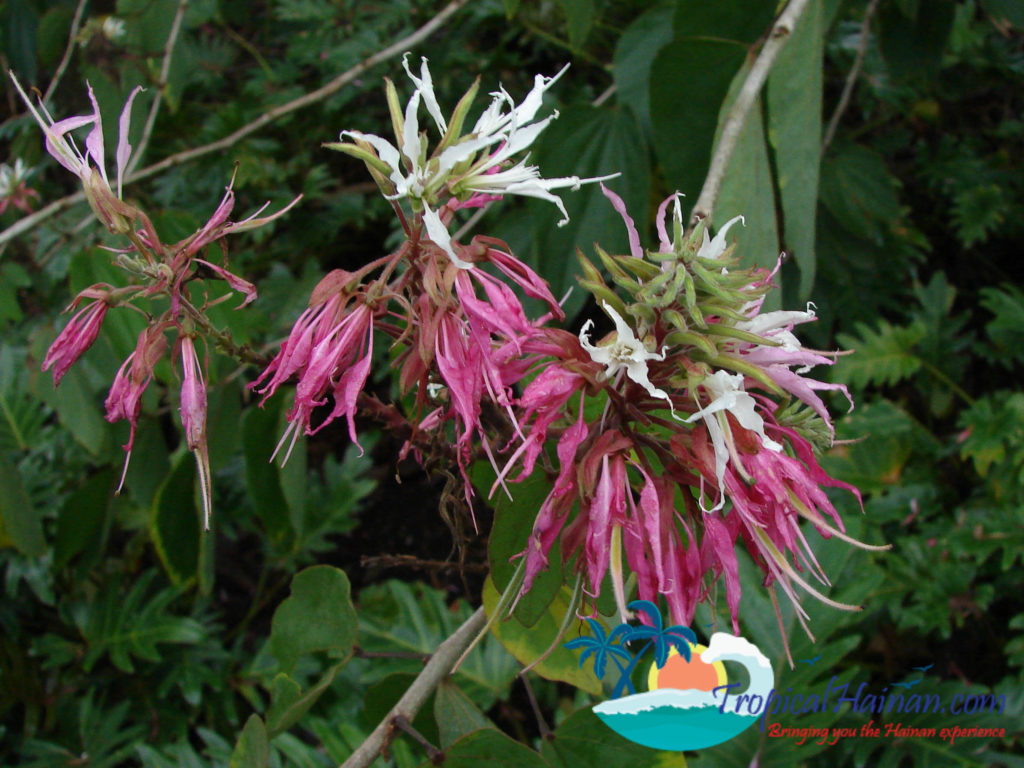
[475, 168]
[726, 390]
[713, 248]
[626, 352]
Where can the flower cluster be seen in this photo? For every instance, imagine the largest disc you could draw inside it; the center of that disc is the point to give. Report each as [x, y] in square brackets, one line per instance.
[702, 429]
[156, 269]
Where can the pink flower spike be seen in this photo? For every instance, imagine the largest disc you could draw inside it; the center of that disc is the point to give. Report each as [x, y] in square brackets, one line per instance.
[77, 336]
[236, 282]
[193, 419]
[124, 149]
[125, 398]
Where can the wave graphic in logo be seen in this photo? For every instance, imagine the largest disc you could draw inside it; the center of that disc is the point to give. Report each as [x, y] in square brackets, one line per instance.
[683, 710]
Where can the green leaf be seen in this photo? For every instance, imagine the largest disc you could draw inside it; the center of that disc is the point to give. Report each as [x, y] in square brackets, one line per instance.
[634, 56]
[263, 478]
[579, 15]
[395, 616]
[253, 748]
[994, 427]
[83, 520]
[174, 522]
[381, 697]
[509, 536]
[913, 44]
[859, 191]
[78, 409]
[317, 616]
[582, 739]
[689, 81]
[456, 714]
[527, 644]
[21, 22]
[489, 747]
[288, 703]
[794, 91]
[20, 524]
[742, 21]
[747, 189]
[1006, 329]
[881, 357]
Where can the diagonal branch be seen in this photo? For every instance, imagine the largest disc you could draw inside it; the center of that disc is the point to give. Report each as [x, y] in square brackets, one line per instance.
[76, 22]
[161, 86]
[438, 668]
[781, 31]
[851, 79]
[396, 48]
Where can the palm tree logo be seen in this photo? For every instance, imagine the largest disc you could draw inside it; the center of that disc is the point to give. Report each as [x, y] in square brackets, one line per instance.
[603, 646]
[683, 708]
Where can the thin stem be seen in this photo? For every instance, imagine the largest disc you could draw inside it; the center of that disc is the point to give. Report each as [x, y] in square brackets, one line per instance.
[161, 86]
[956, 388]
[851, 79]
[403, 724]
[396, 48]
[734, 120]
[436, 670]
[541, 723]
[76, 22]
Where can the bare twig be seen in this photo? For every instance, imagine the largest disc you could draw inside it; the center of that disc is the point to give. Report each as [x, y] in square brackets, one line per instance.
[851, 79]
[781, 31]
[161, 86]
[438, 668]
[396, 48]
[76, 22]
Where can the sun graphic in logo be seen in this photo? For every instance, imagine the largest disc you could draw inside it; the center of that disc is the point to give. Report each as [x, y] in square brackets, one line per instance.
[692, 675]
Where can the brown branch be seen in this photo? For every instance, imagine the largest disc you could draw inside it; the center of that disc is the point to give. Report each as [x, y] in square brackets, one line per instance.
[436, 670]
[851, 79]
[734, 120]
[396, 48]
[161, 86]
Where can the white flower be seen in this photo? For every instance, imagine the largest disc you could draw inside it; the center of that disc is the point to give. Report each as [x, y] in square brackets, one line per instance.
[714, 248]
[626, 352]
[468, 166]
[12, 176]
[113, 27]
[726, 390]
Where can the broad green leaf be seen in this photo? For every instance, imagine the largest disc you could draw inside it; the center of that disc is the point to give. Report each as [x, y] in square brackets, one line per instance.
[1006, 329]
[582, 739]
[747, 189]
[492, 748]
[288, 703]
[83, 520]
[527, 644]
[21, 526]
[793, 94]
[253, 748]
[21, 20]
[509, 535]
[913, 44]
[634, 56]
[742, 21]
[79, 410]
[689, 81]
[174, 522]
[456, 714]
[263, 478]
[579, 16]
[859, 191]
[317, 616]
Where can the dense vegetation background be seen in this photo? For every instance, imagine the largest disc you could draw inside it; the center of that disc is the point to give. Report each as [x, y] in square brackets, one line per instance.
[130, 638]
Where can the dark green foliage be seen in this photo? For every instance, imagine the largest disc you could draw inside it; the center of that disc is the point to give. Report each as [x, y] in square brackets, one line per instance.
[128, 636]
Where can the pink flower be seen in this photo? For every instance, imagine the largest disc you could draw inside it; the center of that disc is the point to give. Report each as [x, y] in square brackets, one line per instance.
[125, 398]
[330, 350]
[79, 334]
[193, 419]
